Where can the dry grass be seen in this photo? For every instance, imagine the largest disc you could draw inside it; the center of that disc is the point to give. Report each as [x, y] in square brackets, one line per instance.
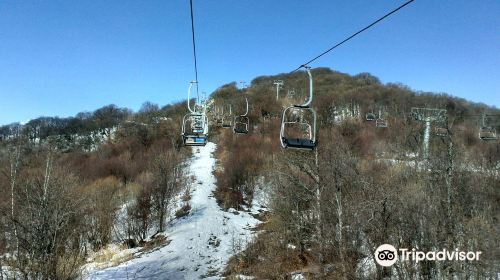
[112, 255]
[155, 243]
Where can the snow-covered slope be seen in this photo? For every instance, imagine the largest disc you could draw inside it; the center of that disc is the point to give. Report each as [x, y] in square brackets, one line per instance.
[201, 243]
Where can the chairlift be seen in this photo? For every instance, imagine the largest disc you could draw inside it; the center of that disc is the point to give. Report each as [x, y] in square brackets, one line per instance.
[197, 122]
[195, 136]
[291, 94]
[218, 117]
[487, 133]
[381, 123]
[293, 120]
[227, 122]
[242, 122]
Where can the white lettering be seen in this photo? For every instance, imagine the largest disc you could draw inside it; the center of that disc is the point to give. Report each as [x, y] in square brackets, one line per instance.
[420, 256]
[455, 255]
[404, 257]
[471, 256]
[450, 257]
[441, 255]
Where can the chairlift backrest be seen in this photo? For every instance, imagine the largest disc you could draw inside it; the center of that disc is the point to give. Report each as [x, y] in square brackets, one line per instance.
[381, 123]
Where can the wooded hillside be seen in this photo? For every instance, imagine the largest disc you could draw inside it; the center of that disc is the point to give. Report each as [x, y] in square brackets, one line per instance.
[363, 186]
[73, 185]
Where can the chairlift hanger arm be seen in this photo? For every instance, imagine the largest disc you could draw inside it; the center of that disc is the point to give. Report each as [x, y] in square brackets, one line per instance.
[308, 102]
[189, 96]
[246, 112]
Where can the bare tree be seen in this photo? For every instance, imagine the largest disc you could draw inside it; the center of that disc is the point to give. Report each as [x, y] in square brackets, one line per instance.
[102, 207]
[167, 179]
[140, 213]
[48, 221]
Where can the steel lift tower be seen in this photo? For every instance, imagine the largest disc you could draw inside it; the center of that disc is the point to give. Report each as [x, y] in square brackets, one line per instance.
[278, 84]
[428, 116]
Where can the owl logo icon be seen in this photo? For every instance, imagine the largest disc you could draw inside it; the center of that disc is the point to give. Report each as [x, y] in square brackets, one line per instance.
[386, 255]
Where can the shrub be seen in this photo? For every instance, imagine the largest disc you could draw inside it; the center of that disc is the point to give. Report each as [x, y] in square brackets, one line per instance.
[183, 211]
[103, 197]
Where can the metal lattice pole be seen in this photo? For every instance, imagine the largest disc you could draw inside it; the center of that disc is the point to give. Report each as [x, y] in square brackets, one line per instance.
[428, 116]
[278, 84]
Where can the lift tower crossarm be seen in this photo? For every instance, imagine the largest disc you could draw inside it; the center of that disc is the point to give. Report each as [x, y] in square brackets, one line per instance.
[189, 97]
[308, 102]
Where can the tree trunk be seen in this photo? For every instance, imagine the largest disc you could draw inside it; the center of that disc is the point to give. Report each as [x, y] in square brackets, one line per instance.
[338, 198]
[14, 166]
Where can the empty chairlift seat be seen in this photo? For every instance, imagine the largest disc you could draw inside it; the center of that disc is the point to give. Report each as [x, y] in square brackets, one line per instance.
[297, 143]
[370, 117]
[226, 124]
[441, 131]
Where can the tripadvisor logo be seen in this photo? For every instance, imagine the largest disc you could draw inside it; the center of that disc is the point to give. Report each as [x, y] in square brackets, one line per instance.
[387, 255]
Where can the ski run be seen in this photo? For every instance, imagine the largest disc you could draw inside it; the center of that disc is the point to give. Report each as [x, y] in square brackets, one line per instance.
[200, 244]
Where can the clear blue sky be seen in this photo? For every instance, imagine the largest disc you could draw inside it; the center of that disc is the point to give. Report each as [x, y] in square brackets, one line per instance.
[58, 58]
